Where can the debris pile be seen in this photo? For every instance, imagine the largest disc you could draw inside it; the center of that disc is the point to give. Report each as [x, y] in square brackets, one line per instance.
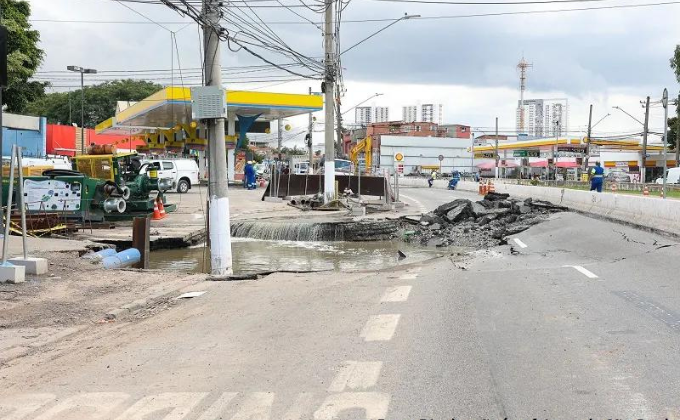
[479, 224]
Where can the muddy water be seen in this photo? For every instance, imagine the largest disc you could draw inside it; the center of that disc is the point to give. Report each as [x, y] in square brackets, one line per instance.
[251, 255]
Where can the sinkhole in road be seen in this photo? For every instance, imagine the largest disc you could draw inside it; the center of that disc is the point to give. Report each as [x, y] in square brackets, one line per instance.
[255, 255]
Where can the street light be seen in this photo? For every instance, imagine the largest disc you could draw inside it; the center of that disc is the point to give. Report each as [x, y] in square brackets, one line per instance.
[375, 95]
[622, 110]
[599, 121]
[405, 17]
[82, 72]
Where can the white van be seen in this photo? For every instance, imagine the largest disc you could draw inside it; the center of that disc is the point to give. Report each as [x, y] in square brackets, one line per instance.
[184, 172]
[673, 177]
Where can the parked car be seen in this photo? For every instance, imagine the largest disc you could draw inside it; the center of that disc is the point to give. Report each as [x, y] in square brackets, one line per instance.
[184, 172]
[672, 178]
[618, 176]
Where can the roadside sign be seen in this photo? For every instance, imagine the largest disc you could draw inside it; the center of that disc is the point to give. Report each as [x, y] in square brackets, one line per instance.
[441, 157]
[400, 168]
[526, 153]
[398, 157]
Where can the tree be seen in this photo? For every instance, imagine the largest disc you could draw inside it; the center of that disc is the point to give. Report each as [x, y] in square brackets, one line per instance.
[100, 101]
[675, 62]
[23, 56]
[673, 132]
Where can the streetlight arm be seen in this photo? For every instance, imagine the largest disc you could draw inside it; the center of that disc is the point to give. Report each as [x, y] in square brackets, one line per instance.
[624, 111]
[362, 102]
[376, 33]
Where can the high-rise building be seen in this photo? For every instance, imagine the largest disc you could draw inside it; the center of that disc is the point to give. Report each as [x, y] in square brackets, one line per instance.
[363, 115]
[432, 113]
[409, 113]
[544, 117]
[381, 114]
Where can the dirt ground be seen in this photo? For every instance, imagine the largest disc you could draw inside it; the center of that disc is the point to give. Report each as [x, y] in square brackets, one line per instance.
[74, 295]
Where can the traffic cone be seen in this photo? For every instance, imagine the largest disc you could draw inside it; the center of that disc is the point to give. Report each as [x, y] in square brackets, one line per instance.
[614, 187]
[481, 188]
[485, 188]
[161, 208]
[156, 213]
[645, 191]
[492, 188]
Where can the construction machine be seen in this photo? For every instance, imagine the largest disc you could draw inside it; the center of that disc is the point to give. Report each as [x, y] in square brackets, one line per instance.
[365, 146]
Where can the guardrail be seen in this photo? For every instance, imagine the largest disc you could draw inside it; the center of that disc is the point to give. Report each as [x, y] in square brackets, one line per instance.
[582, 185]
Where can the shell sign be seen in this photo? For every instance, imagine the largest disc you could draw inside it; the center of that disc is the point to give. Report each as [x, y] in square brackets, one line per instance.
[398, 157]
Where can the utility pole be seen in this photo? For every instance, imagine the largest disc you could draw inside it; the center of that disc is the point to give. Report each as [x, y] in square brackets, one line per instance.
[310, 129]
[329, 79]
[219, 225]
[664, 102]
[588, 134]
[497, 157]
[645, 130]
[339, 149]
[279, 136]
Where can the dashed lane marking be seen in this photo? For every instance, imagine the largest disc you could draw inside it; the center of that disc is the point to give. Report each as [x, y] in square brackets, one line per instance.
[356, 376]
[583, 271]
[408, 276]
[520, 243]
[396, 294]
[380, 327]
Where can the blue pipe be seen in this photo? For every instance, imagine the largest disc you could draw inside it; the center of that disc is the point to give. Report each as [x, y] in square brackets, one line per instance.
[122, 259]
[99, 255]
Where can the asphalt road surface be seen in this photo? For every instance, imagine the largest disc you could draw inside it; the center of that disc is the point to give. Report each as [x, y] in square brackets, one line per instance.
[576, 318]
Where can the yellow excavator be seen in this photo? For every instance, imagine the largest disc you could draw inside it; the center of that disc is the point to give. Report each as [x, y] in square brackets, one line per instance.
[365, 146]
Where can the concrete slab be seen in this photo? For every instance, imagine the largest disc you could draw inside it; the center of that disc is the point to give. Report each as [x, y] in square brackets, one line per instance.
[12, 273]
[273, 200]
[33, 265]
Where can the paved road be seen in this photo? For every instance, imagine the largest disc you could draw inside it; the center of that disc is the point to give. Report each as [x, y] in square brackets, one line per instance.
[579, 319]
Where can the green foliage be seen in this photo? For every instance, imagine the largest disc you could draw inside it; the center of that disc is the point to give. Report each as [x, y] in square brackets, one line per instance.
[100, 101]
[673, 131]
[675, 62]
[23, 56]
[294, 151]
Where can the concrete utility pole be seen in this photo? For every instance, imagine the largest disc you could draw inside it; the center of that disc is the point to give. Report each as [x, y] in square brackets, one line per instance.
[329, 105]
[279, 137]
[497, 157]
[664, 102]
[220, 234]
[677, 134]
[310, 129]
[645, 130]
[590, 130]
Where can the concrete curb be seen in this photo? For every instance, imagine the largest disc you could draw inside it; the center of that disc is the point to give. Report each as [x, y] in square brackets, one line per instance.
[138, 304]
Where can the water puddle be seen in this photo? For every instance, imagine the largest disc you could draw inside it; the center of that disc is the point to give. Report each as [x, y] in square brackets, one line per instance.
[253, 255]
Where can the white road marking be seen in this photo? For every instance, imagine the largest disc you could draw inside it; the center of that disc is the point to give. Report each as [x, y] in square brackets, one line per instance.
[20, 406]
[408, 276]
[218, 408]
[356, 376]
[94, 405]
[396, 294]
[380, 327]
[421, 207]
[301, 407]
[583, 271]
[374, 404]
[520, 243]
[175, 405]
[256, 406]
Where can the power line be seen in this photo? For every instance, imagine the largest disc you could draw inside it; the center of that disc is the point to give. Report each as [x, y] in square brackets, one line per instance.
[486, 3]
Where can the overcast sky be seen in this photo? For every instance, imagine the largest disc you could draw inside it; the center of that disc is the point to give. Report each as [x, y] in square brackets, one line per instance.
[607, 57]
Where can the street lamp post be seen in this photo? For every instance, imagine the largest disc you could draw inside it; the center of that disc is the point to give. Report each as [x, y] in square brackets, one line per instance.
[664, 102]
[82, 71]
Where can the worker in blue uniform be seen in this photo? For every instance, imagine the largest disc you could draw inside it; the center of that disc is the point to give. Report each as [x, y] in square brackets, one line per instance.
[249, 172]
[597, 178]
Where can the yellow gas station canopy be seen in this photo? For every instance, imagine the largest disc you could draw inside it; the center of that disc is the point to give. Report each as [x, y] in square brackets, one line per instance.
[172, 105]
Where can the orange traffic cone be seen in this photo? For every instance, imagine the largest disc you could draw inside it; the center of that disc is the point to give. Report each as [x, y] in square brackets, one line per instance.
[645, 191]
[492, 188]
[614, 187]
[161, 208]
[156, 213]
[481, 188]
[485, 188]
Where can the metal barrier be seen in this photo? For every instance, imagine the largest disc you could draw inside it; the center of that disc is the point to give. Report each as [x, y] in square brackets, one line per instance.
[290, 185]
[582, 185]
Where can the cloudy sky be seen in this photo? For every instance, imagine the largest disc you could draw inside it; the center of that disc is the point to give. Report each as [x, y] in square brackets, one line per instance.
[463, 56]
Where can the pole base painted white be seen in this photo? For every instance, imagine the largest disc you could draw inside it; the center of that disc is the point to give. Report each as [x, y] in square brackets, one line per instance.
[329, 180]
[231, 162]
[220, 237]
